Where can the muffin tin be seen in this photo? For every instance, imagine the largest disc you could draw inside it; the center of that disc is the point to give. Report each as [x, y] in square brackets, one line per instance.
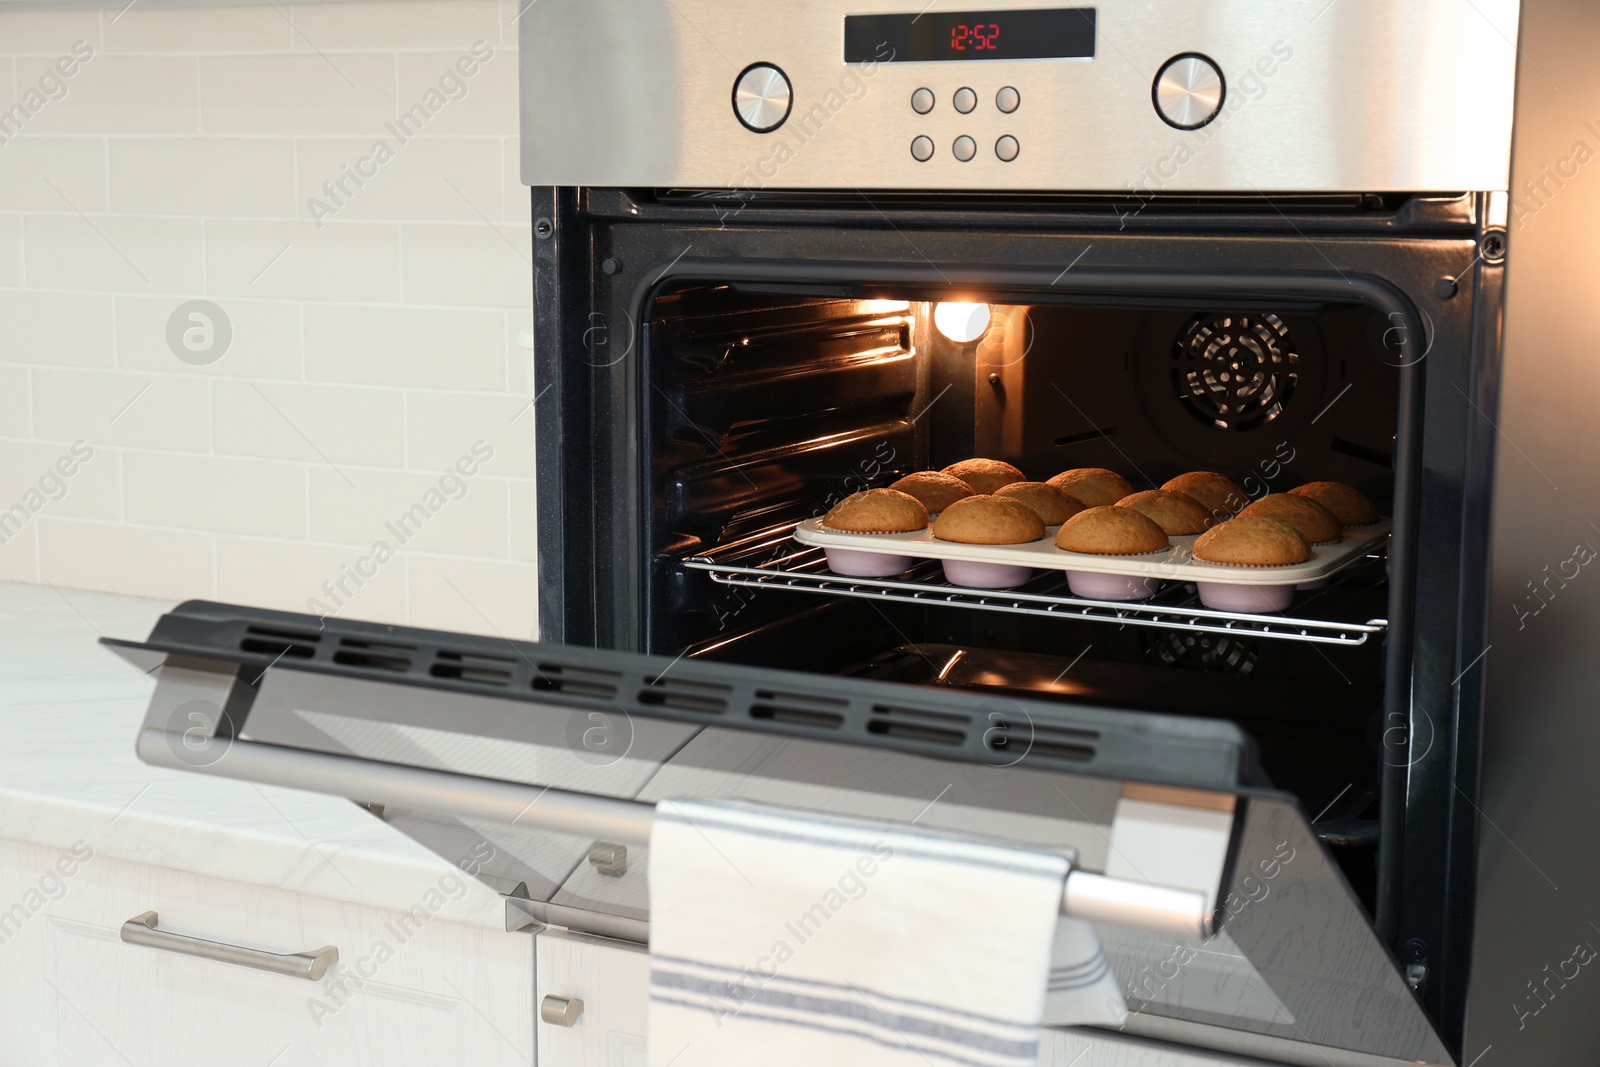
[1222, 586]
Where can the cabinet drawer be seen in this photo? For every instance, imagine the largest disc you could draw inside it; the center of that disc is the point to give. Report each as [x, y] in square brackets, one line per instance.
[407, 988]
[612, 979]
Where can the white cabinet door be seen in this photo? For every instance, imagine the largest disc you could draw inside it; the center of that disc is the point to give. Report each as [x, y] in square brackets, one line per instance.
[408, 988]
[612, 978]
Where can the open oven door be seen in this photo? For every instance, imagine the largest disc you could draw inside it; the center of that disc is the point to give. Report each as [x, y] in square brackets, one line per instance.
[533, 766]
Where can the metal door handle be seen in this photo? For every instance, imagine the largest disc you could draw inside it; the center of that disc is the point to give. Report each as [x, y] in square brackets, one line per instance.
[141, 930]
[1162, 909]
[560, 1011]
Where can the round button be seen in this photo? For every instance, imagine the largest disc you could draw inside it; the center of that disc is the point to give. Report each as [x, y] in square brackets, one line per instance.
[1188, 92]
[1007, 148]
[964, 148]
[762, 97]
[1007, 99]
[922, 149]
[922, 101]
[965, 100]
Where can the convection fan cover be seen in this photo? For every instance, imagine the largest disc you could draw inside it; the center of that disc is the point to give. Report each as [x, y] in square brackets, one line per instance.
[1235, 372]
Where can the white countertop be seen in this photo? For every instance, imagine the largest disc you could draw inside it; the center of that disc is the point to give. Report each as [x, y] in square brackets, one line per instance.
[69, 712]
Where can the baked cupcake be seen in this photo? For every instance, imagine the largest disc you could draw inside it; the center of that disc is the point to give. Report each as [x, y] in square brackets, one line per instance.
[1053, 505]
[1175, 513]
[1252, 542]
[877, 511]
[936, 489]
[1350, 505]
[1111, 531]
[1217, 493]
[988, 520]
[985, 475]
[1095, 486]
[1314, 522]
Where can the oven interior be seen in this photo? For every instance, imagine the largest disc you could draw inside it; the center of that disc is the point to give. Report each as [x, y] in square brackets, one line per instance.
[765, 403]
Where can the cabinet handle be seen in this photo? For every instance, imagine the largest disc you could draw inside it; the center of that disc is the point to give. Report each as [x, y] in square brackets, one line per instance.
[560, 1011]
[141, 930]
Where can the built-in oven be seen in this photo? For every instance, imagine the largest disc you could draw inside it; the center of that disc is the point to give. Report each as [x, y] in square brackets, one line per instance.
[785, 254]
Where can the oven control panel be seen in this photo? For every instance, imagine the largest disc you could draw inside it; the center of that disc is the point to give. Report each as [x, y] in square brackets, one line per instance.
[1160, 96]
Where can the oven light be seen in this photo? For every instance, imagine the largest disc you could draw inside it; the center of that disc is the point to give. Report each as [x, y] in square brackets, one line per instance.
[960, 321]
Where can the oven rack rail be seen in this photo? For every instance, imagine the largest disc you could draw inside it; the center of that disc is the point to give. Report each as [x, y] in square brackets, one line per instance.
[778, 562]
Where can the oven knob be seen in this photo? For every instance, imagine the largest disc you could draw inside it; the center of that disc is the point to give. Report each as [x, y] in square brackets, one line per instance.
[1188, 92]
[762, 97]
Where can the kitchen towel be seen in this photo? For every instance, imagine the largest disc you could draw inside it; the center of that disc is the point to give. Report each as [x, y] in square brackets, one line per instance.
[786, 937]
[1083, 988]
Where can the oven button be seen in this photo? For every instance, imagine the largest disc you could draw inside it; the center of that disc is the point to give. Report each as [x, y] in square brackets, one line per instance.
[965, 100]
[922, 101]
[922, 149]
[1188, 92]
[1007, 99]
[762, 97]
[1007, 148]
[965, 148]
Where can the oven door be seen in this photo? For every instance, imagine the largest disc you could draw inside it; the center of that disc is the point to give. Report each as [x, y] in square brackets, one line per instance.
[532, 767]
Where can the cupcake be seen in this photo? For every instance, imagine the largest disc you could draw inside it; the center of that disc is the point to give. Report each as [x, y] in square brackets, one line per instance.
[1314, 522]
[1218, 494]
[1252, 542]
[987, 520]
[1054, 506]
[936, 489]
[985, 475]
[877, 511]
[1350, 505]
[1095, 486]
[1175, 513]
[874, 511]
[1111, 531]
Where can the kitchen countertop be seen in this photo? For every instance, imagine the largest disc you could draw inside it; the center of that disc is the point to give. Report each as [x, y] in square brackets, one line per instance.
[69, 712]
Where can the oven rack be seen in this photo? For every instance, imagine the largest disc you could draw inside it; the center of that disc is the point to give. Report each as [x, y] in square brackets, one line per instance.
[775, 561]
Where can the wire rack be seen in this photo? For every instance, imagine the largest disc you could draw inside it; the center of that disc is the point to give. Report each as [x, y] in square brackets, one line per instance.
[775, 561]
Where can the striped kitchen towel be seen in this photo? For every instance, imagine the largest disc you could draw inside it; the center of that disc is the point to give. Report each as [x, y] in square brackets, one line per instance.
[1082, 987]
[785, 937]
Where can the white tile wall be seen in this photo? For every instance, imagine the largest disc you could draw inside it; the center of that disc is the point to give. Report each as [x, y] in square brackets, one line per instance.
[372, 330]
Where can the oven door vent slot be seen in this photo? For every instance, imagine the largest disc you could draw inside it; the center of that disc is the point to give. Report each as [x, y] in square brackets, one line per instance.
[706, 697]
[918, 724]
[570, 680]
[271, 641]
[798, 708]
[473, 668]
[1017, 739]
[374, 655]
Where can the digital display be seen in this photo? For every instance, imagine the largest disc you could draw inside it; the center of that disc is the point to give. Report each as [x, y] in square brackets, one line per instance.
[933, 37]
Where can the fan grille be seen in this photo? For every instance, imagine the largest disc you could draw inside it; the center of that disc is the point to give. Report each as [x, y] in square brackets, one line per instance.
[1235, 372]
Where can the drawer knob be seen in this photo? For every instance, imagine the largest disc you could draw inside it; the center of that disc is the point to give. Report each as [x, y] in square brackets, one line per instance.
[609, 859]
[560, 1011]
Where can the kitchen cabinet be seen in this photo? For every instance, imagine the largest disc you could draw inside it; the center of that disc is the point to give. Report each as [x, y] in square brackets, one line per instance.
[612, 979]
[408, 988]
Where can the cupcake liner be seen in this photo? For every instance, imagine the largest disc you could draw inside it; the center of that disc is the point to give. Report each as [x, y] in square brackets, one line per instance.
[1249, 599]
[866, 533]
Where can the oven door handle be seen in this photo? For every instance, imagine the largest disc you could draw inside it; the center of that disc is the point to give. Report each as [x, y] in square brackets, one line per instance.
[1161, 909]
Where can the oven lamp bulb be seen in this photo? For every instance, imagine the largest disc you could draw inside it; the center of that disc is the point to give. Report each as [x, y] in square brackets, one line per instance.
[960, 321]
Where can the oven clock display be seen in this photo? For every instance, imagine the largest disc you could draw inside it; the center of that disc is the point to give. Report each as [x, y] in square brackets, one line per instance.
[934, 37]
[980, 37]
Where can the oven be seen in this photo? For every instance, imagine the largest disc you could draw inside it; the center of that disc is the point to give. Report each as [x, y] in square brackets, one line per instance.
[783, 255]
